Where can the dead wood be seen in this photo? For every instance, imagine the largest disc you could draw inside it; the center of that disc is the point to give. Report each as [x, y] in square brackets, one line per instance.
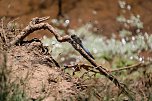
[37, 24]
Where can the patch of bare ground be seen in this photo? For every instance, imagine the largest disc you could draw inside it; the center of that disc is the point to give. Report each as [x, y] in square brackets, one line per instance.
[40, 77]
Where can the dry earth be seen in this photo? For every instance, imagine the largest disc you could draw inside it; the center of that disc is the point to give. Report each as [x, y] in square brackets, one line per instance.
[40, 76]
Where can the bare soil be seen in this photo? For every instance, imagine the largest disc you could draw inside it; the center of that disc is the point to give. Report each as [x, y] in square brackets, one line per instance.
[40, 76]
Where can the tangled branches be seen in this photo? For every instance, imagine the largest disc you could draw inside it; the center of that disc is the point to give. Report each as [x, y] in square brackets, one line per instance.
[37, 24]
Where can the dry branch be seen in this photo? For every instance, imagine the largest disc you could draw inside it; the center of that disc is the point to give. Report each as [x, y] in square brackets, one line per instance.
[78, 67]
[134, 66]
[36, 24]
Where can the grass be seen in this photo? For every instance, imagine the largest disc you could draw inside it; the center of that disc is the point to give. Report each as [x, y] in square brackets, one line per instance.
[9, 91]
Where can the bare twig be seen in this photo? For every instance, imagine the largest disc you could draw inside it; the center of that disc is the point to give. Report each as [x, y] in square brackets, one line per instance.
[36, 24]
[2, 32]
[78, 67]
[126, 68]
[55, 62]
[135, 66]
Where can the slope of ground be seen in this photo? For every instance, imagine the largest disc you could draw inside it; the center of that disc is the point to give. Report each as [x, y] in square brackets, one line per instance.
[40, 77]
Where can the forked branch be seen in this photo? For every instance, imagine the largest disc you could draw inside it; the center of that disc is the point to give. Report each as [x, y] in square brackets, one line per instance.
[37, 24]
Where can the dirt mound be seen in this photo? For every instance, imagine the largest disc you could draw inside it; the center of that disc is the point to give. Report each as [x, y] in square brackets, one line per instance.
[39, 75]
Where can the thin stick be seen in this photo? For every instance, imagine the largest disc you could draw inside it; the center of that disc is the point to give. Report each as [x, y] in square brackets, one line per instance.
[2, 33]
[138, 65]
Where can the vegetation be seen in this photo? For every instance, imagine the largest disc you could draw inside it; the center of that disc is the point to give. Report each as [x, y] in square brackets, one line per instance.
[9, 90]
[120, 55]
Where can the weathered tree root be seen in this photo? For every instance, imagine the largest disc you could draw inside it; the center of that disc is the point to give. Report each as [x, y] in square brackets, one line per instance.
[36, 24]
